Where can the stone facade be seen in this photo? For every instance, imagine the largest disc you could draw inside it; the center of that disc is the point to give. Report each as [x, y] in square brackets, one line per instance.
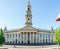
[29, 34]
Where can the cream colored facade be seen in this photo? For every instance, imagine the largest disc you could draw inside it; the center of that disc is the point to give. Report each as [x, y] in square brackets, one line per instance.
[28, 34]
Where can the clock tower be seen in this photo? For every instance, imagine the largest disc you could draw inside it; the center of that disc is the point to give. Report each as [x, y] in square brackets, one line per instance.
[28, 15]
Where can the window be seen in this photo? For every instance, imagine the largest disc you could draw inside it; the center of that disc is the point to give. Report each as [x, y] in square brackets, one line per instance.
[43, 36]
[16, 35]
[8, 35]
[19, 35]
[13, 35]
[7, 41]
[13, 41]
[40, 40]
[10, 41]
[43, 40]
[52, 36]
[46, 40]
[52, 40]
[40, 35]
[19, 41]
[16, 40]
[48, 35]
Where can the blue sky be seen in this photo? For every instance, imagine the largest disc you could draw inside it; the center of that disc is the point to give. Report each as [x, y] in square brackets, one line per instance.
[12, 13]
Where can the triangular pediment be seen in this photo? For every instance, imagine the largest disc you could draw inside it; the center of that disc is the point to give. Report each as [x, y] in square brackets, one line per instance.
[28, 28]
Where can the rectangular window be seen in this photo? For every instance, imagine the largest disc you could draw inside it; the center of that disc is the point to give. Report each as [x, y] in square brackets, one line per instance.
[10, 35]
[19, 35]
[40, 35]
[13, 35]
[16, 35]
[7, 35]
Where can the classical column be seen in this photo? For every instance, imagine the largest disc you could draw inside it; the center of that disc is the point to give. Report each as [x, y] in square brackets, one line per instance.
[20, 37]
[23, 37]
[30, 37]
[39, 37]
[26, 37]
[33, 37]
[42, 38]
[36, 37]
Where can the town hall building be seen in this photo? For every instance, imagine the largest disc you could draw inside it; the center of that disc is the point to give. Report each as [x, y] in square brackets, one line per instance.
[28, 35]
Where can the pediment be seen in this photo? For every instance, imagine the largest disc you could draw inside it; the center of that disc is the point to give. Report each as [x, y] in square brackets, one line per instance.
[28, 28]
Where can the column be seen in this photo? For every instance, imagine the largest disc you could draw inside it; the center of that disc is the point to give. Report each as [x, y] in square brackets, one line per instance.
[36, 37]
[20, 37]
[50, 38]
[39, 37]
[23, 37]
[42, 38]
[26, 37]
[31, 37]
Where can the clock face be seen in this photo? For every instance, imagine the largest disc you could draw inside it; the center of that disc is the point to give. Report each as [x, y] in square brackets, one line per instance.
[28, 13]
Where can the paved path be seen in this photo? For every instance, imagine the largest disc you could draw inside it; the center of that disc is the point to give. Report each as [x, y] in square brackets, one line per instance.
[30, 47]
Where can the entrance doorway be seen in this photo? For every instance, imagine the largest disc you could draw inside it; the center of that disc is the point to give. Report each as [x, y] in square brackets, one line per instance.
[28, 42]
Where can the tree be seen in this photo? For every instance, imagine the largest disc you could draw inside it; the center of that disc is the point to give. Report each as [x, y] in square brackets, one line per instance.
[57, 36]
[2, 39]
